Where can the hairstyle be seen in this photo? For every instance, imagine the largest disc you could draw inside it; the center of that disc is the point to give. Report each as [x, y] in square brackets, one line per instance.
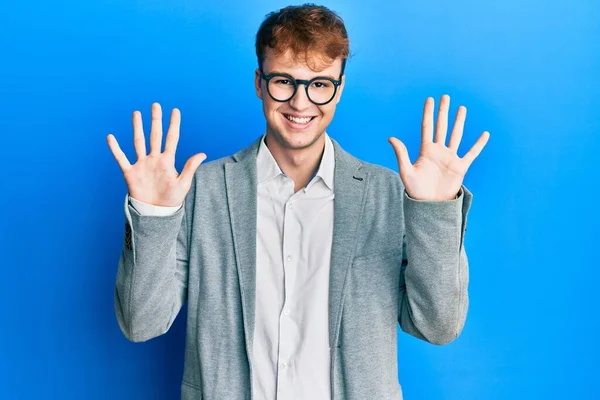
[315, 35]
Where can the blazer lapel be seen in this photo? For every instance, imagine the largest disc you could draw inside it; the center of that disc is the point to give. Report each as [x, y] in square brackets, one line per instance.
[240, 177]
[349, 186]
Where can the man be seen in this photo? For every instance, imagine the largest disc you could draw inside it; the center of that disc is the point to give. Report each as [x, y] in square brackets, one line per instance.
[296, 259]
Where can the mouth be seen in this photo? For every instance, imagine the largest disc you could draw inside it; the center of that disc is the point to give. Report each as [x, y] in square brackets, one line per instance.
[299, 121]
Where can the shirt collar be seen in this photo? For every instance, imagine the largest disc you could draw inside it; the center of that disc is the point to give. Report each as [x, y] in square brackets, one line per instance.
[267, 167]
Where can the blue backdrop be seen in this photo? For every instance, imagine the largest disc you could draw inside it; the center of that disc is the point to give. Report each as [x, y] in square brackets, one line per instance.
[529, 72]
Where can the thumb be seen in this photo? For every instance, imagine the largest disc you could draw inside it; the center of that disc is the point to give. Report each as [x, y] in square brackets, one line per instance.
[401, 154]
[190, 167]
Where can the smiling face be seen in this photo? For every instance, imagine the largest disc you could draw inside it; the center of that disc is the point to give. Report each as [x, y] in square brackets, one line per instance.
[297, 123]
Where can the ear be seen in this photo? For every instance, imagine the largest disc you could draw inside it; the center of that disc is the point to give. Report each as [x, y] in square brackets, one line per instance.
[340, 89]
[257, 84]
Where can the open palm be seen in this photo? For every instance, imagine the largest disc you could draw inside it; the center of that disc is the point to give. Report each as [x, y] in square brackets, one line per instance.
[153, 179]
[438, 172]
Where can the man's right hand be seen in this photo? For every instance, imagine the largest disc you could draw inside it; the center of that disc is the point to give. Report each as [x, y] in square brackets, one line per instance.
[153, 179]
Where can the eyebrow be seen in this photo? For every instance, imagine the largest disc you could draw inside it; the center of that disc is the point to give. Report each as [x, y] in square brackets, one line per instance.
[285, 73]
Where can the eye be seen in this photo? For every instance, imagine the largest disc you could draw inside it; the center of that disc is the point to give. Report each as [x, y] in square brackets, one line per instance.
[321, 84]
[282, 81]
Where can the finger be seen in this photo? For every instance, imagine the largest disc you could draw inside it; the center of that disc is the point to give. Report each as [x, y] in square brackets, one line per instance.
[173, 133]
[156, 130]
[190, 168]
[118, 153]
[441, 127]
[404, 163]
[427, 123]
[476, 149]
[457, 130]
[139, 141]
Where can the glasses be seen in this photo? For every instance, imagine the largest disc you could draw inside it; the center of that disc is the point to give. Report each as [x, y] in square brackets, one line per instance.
[282, 87]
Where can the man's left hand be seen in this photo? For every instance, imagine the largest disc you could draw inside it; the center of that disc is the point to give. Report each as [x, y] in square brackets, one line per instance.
[438, 172]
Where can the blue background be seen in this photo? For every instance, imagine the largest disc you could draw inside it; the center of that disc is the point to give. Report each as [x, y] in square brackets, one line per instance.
[529, 72]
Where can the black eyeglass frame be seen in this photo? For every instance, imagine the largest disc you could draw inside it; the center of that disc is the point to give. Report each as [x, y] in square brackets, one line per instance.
[304, 82]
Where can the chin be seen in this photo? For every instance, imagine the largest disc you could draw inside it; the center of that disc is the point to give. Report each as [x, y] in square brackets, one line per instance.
[296, 140]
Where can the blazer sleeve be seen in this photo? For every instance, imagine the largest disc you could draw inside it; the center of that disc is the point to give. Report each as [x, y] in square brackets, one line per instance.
[151, 284]
[435, 272]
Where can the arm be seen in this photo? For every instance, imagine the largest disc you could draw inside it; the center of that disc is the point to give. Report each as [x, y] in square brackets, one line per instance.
[434, 276]
[434, 273]
[151, 285]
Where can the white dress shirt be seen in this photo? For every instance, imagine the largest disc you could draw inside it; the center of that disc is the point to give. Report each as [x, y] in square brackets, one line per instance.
[291, 357]
[294, 236]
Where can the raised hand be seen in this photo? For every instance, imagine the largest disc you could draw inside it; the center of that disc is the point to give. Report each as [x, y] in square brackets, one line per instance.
[153, 178]
[438, 172]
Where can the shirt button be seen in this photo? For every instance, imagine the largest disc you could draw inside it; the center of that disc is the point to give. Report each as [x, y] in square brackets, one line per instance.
[289, 258]
[284, 365]
[290, 206]
[286, 311]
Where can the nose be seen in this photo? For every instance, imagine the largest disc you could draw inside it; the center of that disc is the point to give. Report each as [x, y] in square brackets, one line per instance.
[300, 100]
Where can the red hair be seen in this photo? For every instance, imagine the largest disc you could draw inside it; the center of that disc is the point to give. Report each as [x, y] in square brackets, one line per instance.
[315, 35]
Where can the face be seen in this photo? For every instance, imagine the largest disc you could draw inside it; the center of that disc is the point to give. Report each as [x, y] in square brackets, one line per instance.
[300, 134]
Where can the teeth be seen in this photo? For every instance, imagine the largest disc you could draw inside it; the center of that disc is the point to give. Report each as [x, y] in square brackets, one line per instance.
[298, 120]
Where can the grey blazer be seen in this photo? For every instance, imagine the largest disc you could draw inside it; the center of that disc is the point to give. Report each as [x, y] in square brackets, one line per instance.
[394, 260]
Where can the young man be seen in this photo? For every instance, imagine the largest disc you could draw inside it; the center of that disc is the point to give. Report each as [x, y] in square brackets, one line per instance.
[296, 259]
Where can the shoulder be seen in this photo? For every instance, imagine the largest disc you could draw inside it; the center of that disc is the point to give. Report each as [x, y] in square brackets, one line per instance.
[215, 165]
[379, 176]
[212, 169]
[244, 155]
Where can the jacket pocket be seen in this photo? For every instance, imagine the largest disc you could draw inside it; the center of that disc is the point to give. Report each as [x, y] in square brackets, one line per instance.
[376, 275]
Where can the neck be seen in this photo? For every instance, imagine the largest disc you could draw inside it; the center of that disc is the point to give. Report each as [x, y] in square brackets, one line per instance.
[299, 164]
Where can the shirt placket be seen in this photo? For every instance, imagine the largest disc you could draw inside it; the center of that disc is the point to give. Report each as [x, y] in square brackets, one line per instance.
[287, 332]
